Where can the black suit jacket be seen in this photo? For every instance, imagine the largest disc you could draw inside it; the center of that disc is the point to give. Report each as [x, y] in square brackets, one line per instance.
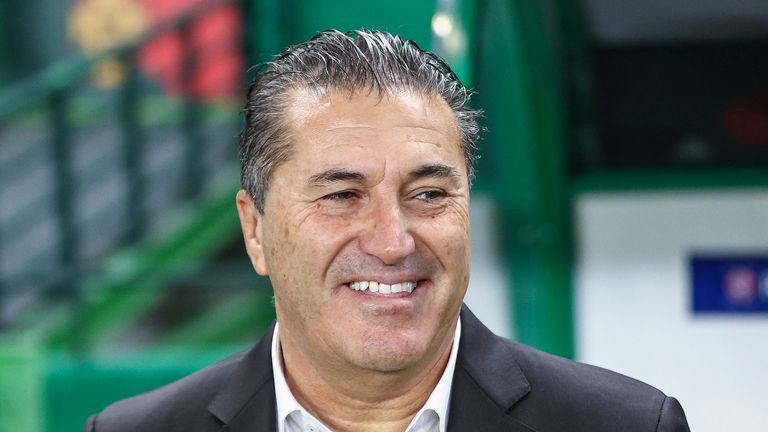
[498, 386]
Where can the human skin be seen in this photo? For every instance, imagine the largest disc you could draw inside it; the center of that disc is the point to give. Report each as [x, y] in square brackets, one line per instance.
[375, 189]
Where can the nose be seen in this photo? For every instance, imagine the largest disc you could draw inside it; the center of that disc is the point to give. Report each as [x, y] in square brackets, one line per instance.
[386, 235]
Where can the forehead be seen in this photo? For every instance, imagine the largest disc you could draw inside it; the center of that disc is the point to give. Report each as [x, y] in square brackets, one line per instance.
[321, 122]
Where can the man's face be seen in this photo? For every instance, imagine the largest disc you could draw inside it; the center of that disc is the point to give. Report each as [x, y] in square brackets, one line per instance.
[375, 192]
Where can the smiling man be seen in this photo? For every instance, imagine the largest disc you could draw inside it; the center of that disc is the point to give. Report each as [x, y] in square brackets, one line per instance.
[357, 159]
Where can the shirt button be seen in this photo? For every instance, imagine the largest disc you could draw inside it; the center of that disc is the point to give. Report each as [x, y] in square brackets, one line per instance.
[311, 428]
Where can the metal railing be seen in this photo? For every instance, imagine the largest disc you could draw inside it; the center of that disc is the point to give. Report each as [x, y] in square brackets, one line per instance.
[85, 171]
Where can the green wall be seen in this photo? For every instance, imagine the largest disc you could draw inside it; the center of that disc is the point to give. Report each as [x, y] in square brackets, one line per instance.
[274, 24]
[523, 166]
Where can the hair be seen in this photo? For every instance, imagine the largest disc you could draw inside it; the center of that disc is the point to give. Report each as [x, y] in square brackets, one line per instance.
[355, 61]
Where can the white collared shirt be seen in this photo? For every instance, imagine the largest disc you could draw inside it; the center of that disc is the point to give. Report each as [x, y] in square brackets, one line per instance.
[432, 417]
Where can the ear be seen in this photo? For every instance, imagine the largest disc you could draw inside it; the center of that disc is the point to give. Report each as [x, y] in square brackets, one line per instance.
[251, 222]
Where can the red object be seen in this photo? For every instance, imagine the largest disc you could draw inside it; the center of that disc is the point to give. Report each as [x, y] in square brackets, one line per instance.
[746, 118]
[203, 60]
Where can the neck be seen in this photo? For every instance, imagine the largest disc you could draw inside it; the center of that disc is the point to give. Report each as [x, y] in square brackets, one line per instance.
[387, 401]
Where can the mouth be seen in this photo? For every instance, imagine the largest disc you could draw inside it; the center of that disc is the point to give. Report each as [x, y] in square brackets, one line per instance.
[381, 289]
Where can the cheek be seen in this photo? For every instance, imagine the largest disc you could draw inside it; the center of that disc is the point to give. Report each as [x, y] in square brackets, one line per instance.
[461, 221]
[299, 251]
[455, 251]
[279, 244]
[453, 231]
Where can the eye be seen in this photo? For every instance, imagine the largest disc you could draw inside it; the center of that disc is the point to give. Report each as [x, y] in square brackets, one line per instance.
[344, 195]
[430, 195]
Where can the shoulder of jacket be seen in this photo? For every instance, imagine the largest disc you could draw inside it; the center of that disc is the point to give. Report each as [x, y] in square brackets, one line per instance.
[592, 397]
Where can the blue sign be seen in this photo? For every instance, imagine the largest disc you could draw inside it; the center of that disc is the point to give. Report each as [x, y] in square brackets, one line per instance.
[729, 284]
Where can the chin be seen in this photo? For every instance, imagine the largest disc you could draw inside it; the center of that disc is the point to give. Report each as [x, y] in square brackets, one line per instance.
[390, 354]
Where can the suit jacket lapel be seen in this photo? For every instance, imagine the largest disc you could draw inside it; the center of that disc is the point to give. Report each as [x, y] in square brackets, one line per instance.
[247, 401]
[487, 382]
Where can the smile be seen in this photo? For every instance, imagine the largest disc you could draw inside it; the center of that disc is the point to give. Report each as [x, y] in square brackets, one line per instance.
[383, 288]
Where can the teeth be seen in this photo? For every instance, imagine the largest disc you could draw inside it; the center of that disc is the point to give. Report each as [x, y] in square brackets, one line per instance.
[382, 287]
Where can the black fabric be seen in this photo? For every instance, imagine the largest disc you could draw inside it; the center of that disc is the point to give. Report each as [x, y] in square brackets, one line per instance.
[499, 386]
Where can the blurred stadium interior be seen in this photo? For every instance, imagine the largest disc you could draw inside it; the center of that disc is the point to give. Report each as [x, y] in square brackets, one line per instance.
[121, 261]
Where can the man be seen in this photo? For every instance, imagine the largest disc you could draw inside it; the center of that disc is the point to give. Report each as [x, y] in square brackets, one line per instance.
[356, 166]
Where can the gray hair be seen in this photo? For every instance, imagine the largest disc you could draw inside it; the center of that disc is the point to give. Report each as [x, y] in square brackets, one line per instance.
[359, 60]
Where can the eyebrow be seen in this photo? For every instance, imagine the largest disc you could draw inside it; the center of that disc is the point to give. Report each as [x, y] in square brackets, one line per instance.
[335, 175]
[436, 170]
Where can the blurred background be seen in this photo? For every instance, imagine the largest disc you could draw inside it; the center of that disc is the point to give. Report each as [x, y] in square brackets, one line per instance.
[620, 215]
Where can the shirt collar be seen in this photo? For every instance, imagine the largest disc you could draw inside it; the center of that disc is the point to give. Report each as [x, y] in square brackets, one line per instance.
[286, 403]
[438, 401]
